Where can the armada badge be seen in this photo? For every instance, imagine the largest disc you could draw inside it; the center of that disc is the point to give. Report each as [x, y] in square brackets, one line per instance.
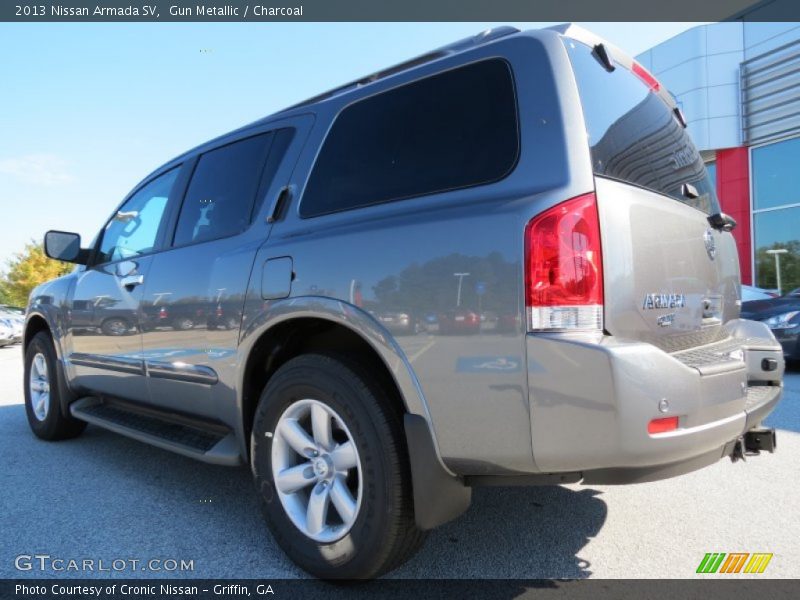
[656, 301]
[711, 247]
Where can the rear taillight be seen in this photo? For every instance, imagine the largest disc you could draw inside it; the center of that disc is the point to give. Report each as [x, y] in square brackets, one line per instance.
[564, 267]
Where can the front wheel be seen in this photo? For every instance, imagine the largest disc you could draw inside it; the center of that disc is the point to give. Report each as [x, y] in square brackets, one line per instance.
[43, 394]
[330, 462]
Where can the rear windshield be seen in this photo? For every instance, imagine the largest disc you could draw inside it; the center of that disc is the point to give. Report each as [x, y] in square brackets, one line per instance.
[634, 136]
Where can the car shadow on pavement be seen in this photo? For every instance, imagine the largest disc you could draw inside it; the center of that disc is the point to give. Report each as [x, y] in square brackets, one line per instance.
[120, 497]
[514, 533]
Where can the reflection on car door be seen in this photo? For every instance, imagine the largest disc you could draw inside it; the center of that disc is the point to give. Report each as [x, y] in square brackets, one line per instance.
[201, 281]
[104, 341]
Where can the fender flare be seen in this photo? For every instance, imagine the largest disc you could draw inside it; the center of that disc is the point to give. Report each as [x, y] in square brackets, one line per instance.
[439, 494]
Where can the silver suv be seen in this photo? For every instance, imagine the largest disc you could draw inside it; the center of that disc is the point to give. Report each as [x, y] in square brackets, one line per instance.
[499, 263]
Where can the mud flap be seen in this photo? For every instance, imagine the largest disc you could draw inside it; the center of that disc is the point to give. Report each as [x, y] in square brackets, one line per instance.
[439, 497]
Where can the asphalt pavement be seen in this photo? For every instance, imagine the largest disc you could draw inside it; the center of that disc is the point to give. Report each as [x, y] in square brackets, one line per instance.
[102, 497]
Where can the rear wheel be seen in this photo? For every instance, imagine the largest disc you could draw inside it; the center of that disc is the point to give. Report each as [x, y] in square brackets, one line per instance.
[329, 459]
[115, 326]
[43, 393]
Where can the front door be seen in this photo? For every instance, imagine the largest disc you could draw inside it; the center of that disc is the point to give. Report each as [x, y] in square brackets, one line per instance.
[104, 323]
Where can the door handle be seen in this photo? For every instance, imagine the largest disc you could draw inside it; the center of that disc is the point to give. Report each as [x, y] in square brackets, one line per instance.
[283, 198]
[131, 281]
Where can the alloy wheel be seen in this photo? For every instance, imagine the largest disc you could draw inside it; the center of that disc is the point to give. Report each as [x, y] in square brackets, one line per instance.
[317, 470]
[39, 384]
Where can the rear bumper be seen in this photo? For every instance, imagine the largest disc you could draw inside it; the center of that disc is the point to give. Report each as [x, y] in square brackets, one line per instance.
[592, 399]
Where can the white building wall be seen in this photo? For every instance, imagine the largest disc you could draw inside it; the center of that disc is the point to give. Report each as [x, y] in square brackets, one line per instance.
[701, 68]
[763, 37]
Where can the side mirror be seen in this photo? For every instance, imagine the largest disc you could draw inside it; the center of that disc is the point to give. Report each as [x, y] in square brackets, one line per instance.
[62, 245]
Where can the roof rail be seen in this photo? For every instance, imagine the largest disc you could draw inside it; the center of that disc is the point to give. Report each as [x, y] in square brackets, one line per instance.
[458, 46]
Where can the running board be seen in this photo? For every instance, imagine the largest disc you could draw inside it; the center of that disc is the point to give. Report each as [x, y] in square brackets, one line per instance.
[207, 445]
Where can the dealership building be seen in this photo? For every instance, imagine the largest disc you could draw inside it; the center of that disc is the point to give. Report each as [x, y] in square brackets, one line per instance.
[738, 84]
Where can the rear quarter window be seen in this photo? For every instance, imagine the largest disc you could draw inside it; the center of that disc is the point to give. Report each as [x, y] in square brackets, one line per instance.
[633, 135]
[452, 130]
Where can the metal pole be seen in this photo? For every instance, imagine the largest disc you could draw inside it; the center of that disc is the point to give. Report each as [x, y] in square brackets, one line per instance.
[460, 281]
[776, 252]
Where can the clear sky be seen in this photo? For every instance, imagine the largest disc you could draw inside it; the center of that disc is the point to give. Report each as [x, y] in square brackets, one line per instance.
[87, 110]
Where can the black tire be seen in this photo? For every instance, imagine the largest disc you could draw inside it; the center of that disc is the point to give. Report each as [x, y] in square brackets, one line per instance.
[384, 534]
[115, 326]
[55, 425]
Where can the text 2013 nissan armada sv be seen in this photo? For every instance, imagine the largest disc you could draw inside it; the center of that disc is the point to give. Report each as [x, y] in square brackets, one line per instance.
[499, 262]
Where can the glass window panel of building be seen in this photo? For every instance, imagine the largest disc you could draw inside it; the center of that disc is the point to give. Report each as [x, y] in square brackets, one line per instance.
[711, 167]
[776, 213]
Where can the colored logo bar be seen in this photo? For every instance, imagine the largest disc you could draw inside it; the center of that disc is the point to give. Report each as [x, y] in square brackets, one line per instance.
[734, 562]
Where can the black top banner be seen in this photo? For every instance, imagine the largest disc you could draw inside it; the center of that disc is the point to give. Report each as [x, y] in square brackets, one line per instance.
[399, 10]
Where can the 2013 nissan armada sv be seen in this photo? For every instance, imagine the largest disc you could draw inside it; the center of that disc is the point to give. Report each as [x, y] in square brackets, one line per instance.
[501, 262]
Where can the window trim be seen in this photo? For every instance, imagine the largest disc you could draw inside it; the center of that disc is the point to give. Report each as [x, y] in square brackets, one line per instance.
[512, 167]
[163, 228]
[260, 189]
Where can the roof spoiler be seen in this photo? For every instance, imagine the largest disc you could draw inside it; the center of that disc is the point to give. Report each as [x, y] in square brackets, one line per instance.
[608, 53]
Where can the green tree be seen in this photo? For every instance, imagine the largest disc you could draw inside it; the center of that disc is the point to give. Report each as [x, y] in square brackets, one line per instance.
[790, 266]
[26, 270]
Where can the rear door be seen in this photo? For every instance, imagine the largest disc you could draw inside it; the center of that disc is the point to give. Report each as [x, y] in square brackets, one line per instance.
[195, 290]
[670, 278]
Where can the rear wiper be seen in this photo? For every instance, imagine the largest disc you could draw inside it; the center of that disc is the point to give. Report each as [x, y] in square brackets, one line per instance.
[721, 221]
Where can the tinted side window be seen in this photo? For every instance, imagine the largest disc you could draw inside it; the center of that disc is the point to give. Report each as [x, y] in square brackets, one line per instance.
[448, 131]
[221, 194]
[133, 230]
[633, 134]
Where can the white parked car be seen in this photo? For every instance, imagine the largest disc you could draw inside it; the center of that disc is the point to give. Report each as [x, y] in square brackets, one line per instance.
[15, 322]
[6, 334]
